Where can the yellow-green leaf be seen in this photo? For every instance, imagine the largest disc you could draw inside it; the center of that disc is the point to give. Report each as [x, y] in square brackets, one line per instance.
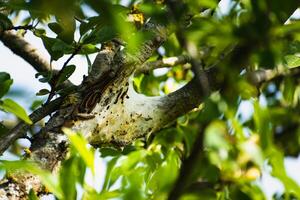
[11, 106]
[80, 144]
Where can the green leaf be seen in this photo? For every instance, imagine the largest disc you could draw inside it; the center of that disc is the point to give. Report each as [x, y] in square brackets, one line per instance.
[215, 135]
[276, 159]
[188, 137]
[42, 92]
[5, 22]
[46, 76]
[5, 83]
[4, 76]
[68, 185]
[44, 80]
[84, 27]
[67, 23]
[133, 191]
[32, 195]
[55, 27]
[80, 170]
[88, 49]
[104, 34]
[283, 9]
[109, 194]
[47, 178]
[262, 123]
[3, 129]
[126, 165]
[39, 32]
[10, 106]
[65, 73]
[49, 43]
[290, 95]
[163, 178]
[60, 45]
[90, 38]
[36, 104]
[90, 193]
[247, 90]
[56, 47]
[207, 194]
[80, 145]
[107, 151]
[292, 61]
[109, 169]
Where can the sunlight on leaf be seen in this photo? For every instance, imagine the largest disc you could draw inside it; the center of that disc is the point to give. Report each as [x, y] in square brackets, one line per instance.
[11, 106]
[50, 180]
[80, 144]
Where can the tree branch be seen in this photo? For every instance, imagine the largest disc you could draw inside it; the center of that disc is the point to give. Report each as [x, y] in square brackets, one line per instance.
[25, 27]
[25, 50]
[146, 49]
[165, 62]
[264, 75]
[193, 93]
[120, 114]
[20, 129]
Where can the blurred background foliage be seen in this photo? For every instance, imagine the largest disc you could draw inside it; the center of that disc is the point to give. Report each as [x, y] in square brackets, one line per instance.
[218, 150]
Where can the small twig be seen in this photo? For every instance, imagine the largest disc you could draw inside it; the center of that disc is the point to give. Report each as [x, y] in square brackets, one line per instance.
[54, 84]
[264, 75]
[20, 129]
[79, 20]
[165, 62]
[25, 27]
[200, 185]
[28, 52]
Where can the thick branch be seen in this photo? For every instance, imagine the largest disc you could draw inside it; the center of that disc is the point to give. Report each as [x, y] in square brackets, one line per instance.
[145, 50]
[192, 94]
[116, 112]
[123, 115]
[49, 146]
[25, 50]
[22, 48]
[50, 149]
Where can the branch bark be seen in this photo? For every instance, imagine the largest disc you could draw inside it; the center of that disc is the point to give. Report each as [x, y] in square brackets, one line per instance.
[29, 53]
[115, 113]
[25, 50]
[264, 75]
[21, 128]
[49, 147]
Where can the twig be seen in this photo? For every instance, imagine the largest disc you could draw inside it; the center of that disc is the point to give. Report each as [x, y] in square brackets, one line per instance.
[165, 62]
[25, 50]
[54, 83]
[20, 129]
[25, 27]
[264, 75]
